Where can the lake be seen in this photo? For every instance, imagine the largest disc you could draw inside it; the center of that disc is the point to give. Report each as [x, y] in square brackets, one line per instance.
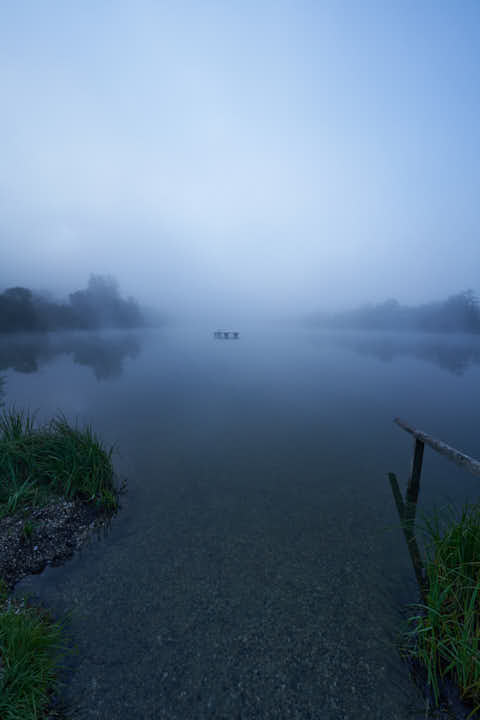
[257, 568]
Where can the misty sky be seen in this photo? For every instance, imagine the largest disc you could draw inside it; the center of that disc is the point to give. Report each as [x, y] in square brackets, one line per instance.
[238, 156]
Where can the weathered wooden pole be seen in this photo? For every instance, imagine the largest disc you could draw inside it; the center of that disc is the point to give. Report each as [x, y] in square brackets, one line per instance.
[458, 457]
[413, 487]
[408, 527]
[407, 510]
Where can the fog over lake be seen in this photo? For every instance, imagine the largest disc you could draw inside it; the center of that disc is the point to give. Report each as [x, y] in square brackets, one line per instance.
[258, 561]
[305, 174]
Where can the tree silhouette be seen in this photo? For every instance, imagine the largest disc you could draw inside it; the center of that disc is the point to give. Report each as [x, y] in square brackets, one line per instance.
[99, 305]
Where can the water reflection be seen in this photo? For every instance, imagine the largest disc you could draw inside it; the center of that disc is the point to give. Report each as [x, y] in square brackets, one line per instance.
[104, 353]
[453, 354]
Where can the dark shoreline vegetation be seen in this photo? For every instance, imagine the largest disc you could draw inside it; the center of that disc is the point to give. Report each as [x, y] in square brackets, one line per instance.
[442, 643]
[57, 484]
[98, 306]
[459, 313]
[32, 647]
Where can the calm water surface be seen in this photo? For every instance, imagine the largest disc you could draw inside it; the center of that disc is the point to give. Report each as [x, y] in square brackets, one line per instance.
[257, 569]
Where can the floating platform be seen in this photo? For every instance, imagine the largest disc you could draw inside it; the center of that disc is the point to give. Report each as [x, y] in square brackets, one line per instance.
[226, 335]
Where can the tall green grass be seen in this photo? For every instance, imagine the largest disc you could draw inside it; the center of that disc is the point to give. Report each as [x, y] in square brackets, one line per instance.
[444, 634]
[59, 459]
[38, 462]
[31, 649]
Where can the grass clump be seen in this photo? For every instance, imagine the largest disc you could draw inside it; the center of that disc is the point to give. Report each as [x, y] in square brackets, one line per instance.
[38, 463]
[31, 648]
[59, 459]
[445, 632]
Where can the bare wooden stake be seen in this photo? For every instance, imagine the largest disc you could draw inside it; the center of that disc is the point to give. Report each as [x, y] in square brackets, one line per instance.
[413, 487]
[408, 528]
[397, 495]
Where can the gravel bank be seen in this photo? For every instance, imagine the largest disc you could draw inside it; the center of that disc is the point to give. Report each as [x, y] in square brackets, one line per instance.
[36, 537]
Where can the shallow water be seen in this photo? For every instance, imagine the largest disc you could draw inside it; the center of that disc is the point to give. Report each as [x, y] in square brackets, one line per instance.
[257, 568]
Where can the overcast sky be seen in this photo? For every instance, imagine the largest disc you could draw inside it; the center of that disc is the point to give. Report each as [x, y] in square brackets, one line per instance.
[239, 155]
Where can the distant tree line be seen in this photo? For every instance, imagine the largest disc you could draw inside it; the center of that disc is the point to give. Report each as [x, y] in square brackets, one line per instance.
[98, 306]
[458, 313]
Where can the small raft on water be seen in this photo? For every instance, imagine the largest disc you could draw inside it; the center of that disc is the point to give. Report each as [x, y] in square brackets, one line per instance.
[226, 335]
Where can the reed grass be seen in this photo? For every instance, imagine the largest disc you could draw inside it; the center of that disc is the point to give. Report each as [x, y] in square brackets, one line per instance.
[31, 649]
[56, 459]
[38, 462]
[444, 634]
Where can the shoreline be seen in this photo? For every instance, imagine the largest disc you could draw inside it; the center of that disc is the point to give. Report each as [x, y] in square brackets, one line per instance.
[35, 537]
[30, 540]
[57, 487]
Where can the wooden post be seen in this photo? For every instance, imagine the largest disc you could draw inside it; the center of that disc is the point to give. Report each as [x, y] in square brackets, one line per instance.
[413, 487]
[408, 527]
[407, 510]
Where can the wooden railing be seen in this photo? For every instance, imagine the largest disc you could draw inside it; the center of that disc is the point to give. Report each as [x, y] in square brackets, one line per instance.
[422, 438]
[407, 507]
